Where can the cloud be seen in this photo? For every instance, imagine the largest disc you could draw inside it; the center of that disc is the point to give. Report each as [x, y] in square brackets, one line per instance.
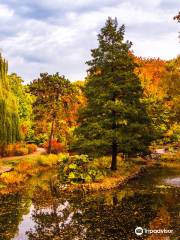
[6, 13]
[51, 35]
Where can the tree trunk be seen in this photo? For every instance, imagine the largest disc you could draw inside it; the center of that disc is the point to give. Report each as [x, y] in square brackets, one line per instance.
[114, 157]
[51, 136]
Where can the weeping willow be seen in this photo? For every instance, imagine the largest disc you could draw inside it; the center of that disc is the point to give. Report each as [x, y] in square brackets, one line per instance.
[9, 124]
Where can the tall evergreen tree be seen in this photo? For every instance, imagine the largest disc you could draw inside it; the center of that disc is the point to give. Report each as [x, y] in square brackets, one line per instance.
[114, 119]
[9, 122]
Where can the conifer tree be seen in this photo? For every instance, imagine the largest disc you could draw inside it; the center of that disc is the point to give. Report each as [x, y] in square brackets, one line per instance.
[9, 123]
[114, 119]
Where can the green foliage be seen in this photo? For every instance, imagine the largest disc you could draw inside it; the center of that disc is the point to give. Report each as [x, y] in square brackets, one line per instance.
[166, 113]
[159, 114]
[77, 169]
[114, 115]
[24, 103]
[39, 139]
[9, 121]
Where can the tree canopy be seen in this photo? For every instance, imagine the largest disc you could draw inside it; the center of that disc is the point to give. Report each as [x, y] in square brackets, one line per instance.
[52, 94]
[9, 121]
[114, 120]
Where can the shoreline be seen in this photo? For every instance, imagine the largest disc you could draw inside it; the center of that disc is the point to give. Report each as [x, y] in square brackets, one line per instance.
[108, 183]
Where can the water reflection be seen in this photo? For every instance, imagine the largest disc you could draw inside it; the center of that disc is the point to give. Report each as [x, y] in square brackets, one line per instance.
[12, 208]
[54, 217]
[106, 215]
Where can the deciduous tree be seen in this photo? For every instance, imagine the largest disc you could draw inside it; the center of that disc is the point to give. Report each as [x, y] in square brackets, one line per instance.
[52, 100]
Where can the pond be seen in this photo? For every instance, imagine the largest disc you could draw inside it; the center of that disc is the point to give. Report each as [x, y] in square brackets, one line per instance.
[39, 213]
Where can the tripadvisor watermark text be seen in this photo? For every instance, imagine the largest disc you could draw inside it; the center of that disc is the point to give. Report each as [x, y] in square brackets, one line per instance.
[139, 231]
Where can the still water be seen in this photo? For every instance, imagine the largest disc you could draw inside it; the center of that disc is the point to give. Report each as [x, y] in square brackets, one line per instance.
[39, 213]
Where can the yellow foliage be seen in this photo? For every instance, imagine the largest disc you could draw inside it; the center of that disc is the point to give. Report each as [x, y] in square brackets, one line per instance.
[47, 160]
[10, 178]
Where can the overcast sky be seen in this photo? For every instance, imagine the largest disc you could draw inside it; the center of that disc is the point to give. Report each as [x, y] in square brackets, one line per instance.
[57, 35]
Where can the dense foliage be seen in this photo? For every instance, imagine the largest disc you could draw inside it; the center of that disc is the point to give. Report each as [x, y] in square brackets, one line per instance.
[52, 94]
[9, 120]
[115, 119]
[77, 169]
[24, 104]
[125, 104]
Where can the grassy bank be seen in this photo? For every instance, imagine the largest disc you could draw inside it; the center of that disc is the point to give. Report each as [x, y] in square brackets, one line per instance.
[125, 171]
[19, 170]
[170, 159]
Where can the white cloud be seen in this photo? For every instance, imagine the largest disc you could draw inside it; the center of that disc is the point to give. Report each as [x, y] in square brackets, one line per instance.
[5, 12]
[62, 41]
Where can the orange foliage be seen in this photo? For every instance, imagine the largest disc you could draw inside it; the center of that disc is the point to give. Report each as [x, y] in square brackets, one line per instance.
[56, 147]
[150, 72]
[75, 103]
[19, 149]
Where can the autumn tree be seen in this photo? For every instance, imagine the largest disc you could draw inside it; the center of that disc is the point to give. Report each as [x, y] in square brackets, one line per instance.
[52, 100]
[170, 82]
[114, 119]
[151, 71]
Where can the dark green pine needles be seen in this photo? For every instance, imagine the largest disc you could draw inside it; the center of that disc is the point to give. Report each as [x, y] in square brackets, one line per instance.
[115, 119]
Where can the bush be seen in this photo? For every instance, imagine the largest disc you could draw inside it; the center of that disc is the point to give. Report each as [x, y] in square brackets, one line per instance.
[31, 148]
[47, 160]
[9, 150]
[12, 178]
[77, 169]
[56, 147]
[40, 140]
[21, 151]
[24, 167]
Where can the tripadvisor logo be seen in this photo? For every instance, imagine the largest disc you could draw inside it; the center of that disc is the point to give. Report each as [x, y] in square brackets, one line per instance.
[139, 231]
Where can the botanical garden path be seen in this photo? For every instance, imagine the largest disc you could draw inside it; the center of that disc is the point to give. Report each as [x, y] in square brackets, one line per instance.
[4, 160]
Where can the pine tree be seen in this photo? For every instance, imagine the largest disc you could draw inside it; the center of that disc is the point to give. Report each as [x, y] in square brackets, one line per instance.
[9, 123]
[114, 119]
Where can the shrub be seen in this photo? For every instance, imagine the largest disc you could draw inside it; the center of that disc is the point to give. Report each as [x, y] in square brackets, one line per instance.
[10, 178]
[31, 148]
[77, 169]
[47, 160]
[21, 151]
[56, 147]
[40, 140]
[24, 166]
[9, 150]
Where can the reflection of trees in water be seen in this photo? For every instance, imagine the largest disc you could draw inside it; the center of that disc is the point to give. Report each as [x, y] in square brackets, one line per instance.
[12, 207]
[54, 218]
[117, 221]
[167, 215]
[89, 217]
